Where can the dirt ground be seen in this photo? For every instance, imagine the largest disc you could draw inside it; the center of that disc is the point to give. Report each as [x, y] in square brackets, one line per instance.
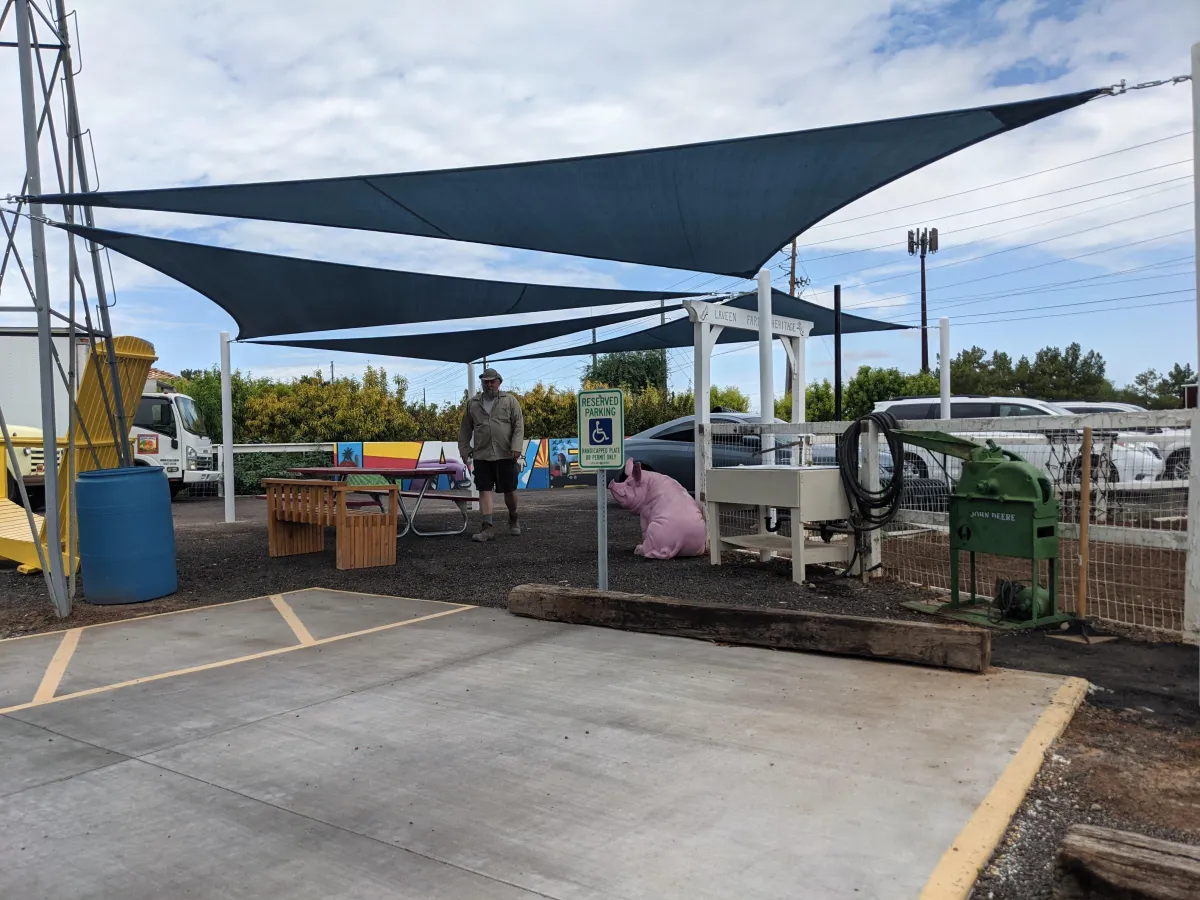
[1130, 759]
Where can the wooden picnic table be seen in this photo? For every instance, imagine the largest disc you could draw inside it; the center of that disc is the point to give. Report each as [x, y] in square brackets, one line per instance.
[427, 475]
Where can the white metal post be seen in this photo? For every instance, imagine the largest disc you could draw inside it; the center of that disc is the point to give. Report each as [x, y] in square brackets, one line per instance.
[944, 331]
[872, 552]
[1191, 590]
[57, 577]
[1191, 598]
[766, 370]
[227, 429]
[1196, 179]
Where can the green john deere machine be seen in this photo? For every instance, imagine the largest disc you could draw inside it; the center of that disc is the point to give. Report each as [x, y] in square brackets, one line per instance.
[1001, 506]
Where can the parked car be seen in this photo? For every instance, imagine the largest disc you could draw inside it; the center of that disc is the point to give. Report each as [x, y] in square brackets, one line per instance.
[1174, 445]
[1055, 451]
[671, 449]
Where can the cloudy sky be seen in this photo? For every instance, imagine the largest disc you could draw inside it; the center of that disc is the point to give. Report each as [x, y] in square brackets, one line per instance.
[1078, 227]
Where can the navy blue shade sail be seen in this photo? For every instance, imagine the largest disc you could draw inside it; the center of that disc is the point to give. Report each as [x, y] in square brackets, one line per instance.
[723, 206]
[680, 332]
[465, 345]
[272, 295]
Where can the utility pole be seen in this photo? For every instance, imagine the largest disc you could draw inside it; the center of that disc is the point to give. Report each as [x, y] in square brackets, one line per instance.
[923, 241]
[791, 289]
[56, 579]
[593, 352]
[331, 371]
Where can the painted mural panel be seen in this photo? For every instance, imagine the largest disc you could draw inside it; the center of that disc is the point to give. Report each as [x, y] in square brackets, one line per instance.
[545, 462]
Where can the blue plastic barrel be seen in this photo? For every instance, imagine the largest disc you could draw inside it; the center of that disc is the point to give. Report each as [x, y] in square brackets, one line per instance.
[126, 535]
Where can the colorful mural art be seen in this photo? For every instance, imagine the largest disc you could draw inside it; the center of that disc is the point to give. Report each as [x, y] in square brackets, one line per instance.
[546, 462]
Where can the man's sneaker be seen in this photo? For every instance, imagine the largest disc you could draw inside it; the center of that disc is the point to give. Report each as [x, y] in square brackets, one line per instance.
[485, 533]
[514, 527]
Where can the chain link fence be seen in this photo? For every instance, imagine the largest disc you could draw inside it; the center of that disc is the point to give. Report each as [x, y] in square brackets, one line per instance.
[1137, 500]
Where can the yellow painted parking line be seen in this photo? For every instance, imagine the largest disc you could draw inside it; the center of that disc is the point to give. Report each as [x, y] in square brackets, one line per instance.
[293, 620]
[58, 666]
[960, 865]
[175, 612]
[229, 662]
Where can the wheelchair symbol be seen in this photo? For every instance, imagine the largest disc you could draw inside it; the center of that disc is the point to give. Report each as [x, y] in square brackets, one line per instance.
[601, 432]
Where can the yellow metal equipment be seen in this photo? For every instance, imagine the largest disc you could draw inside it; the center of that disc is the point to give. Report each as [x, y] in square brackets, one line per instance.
[95, 448]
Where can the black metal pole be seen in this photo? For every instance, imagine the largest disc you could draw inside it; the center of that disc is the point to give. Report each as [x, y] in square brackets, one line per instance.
[924, 318]
[837, 353]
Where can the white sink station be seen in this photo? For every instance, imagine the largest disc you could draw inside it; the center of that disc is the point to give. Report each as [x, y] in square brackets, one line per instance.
[811, 493]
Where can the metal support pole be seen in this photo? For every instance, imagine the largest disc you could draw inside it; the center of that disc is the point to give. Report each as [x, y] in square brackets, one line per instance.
[924, 315]
[799, 387]
[75, 145]
[1191, 600]
[1085, 515]
[1196, 181]
[837, 353]
[944, 334]
[602, 530]
[766, 369]
[227, 430]
[57, 581]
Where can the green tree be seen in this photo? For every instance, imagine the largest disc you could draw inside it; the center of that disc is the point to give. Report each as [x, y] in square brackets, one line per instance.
[974, 372]
[635, 370]
[818, 403]
[204, 386]
[729, 398]
[870, 385]
[1068, 374]
[1155, 391]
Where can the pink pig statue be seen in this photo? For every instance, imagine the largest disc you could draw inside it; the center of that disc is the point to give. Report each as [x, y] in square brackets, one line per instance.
[672, 521]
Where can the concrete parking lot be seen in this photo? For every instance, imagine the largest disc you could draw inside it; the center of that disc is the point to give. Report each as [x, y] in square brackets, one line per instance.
[325, 744]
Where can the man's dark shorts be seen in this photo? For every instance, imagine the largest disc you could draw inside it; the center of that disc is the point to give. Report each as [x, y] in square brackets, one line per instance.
[496, 475]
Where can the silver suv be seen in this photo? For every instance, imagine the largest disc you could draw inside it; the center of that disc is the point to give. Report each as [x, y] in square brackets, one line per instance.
[1055, 451]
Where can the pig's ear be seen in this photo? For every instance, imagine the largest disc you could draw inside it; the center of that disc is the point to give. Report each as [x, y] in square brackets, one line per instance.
[629, 467]
[637, 471]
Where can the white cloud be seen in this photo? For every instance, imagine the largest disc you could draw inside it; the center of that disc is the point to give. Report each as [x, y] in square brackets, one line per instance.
[233, 91]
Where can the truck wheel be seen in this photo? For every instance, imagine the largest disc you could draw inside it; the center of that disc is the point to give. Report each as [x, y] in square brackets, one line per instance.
[1179, 465]
[176, 487]
[914, 466]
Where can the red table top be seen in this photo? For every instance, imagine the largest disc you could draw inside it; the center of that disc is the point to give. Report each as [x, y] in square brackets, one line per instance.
[385, 471]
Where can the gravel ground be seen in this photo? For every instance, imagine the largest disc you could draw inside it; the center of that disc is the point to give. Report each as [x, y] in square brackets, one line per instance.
[1111, 768]
[1135, 738]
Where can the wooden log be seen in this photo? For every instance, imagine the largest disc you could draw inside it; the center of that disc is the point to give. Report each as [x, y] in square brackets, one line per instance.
[946, 646]
[1102, 864]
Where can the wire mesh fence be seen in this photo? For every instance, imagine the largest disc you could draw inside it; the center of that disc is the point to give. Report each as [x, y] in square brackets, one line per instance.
[1136, 499]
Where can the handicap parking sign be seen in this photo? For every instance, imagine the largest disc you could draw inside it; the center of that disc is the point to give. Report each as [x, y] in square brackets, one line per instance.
[601, 431]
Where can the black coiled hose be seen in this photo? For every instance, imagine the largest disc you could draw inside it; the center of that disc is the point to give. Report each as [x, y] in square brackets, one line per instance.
[871, 509]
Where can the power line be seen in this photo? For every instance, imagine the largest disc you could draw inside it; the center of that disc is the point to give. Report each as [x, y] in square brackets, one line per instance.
[1053, 262]
[1035, 292]
[1001, 234]
[1066, 305]
[1031, 288]
[1036, 212]
[1006, 181]
[1080, 313]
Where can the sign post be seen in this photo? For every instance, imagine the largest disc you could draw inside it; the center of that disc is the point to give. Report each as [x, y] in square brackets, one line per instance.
[601, 448]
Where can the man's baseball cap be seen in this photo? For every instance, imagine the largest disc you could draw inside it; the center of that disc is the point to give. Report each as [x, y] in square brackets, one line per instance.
[490, 375]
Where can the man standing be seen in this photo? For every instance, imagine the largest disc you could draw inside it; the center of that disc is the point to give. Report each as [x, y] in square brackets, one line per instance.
[491, 439]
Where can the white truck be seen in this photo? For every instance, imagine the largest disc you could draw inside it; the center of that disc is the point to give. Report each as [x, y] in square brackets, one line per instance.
[166, 430]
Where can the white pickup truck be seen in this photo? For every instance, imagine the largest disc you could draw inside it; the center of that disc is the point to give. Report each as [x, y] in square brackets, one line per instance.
[166, 430]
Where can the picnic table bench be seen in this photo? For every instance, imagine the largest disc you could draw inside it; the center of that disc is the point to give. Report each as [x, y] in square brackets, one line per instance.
[361, 479]
[299, 511]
